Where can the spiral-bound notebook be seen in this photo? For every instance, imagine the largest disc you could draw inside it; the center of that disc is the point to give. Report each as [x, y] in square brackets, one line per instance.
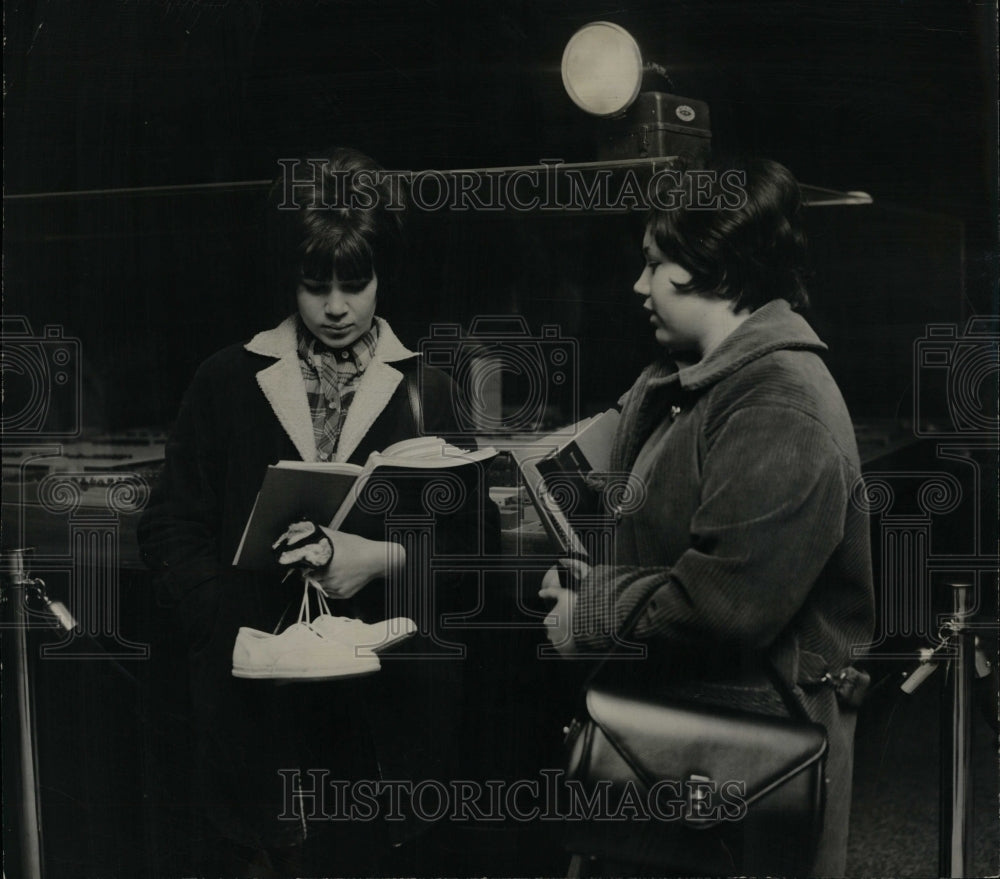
[405, 477]
[560, 477]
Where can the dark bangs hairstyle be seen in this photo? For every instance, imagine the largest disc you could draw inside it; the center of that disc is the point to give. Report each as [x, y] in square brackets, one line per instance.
[331, 215]
[748, 244]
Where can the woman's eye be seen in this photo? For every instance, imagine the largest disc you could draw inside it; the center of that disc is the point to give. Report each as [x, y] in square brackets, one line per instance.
[323, 287]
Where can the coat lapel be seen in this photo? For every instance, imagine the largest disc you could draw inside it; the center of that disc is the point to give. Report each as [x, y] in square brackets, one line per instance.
[282, 385]
[374, 391]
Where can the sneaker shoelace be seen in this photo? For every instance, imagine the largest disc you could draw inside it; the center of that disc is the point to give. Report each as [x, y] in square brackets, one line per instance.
[305, 606]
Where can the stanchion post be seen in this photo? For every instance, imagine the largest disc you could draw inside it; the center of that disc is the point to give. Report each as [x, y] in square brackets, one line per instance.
[956, 740]
[16, 675]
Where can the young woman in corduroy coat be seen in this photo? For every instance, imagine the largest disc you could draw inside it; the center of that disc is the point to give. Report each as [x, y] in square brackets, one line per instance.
[751, 548]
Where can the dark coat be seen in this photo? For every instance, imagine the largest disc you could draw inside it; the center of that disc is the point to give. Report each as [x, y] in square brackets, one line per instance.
[751, 541]
[246, 409]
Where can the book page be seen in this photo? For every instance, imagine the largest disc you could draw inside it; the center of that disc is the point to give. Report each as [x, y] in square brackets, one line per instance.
[414, 447]
[444, 456]
[322, 467]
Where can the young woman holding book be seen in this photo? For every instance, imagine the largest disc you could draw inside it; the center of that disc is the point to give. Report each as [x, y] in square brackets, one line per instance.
[332, 382]
[751, 549]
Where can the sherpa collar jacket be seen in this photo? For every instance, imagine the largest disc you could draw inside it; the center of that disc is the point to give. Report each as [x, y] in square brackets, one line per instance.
[247, 408]
[281, 383]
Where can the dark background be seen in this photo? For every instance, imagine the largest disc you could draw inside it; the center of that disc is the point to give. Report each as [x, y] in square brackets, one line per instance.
[897, 99]
[890, 97]
[893, 98]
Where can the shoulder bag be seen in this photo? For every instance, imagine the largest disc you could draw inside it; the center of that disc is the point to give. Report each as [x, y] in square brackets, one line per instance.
[683, 787]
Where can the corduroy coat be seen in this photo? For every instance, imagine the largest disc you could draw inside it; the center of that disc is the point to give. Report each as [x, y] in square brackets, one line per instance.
[246, 409]
[749, 543]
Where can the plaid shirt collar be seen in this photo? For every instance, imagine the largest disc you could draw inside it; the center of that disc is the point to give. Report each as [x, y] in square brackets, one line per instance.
[331, 378]
[312, 352]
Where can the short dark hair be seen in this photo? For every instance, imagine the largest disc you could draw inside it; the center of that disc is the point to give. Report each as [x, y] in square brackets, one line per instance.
[749, 244]
[336, 213]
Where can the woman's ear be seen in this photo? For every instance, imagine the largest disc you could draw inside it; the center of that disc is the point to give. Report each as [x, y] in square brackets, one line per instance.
[739, 311]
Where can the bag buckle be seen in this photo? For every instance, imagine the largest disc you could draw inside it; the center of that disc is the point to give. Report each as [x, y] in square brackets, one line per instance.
[851, 685]
[700, 806]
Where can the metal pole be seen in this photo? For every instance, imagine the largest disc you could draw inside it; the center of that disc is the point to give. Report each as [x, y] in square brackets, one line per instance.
[29, 841]
[956, 742]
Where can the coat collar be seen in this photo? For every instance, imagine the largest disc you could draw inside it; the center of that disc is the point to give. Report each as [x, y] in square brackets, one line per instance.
[772, 327]
[282, 385]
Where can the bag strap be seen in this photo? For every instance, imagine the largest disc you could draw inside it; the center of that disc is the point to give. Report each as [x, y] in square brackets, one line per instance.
[793, 703]
[630, 623]
[416, 404]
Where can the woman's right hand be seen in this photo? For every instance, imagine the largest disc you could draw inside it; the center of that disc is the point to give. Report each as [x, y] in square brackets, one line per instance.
[559, 622]
[356, 562]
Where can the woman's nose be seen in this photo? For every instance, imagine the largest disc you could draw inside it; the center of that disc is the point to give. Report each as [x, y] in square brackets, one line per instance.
[641, 286]
[335, 303]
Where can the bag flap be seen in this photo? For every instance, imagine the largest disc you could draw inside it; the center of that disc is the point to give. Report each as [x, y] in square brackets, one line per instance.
[679, 740]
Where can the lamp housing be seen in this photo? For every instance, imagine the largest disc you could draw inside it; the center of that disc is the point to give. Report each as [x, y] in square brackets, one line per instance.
[602, 71]
[659, 124]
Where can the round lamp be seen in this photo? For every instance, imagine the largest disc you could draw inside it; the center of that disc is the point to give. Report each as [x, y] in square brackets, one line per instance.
[602, 69]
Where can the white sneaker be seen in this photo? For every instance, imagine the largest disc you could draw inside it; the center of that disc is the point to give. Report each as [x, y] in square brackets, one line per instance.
[298, 653]
[372, 637]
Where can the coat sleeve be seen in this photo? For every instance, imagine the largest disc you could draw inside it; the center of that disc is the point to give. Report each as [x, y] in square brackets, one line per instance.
[774, 493]
[179, 530]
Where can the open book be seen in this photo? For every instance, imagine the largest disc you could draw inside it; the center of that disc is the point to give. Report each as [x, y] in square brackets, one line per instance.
[392, 480]
[559, 477]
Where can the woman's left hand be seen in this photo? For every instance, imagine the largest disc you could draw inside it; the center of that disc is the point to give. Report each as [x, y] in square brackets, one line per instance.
[356, 562]
[559, 622]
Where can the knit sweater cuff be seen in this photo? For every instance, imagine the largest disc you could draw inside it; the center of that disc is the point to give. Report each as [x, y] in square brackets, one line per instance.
[606, 596]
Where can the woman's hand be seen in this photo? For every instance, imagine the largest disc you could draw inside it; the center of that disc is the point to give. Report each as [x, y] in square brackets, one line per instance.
[559, 622]
[356, 562]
